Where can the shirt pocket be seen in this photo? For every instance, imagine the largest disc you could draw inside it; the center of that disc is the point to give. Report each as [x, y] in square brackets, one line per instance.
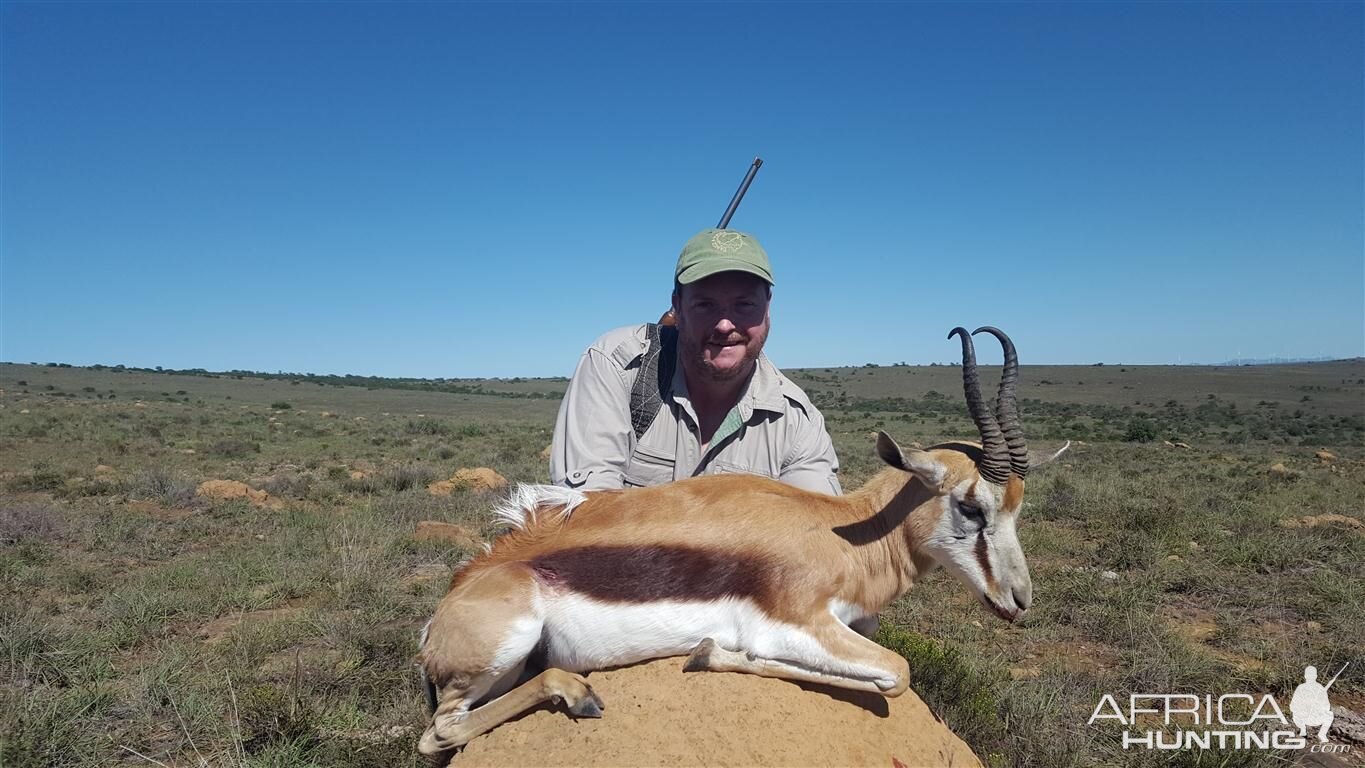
[719, 467]
[648, 468]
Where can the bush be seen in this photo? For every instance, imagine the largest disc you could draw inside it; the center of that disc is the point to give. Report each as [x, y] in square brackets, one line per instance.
[27, 521]
[962, 696]
[161, 485]
[281, 405]
[234, 448]
[1140, 430]
[427, 427]
[42, 478]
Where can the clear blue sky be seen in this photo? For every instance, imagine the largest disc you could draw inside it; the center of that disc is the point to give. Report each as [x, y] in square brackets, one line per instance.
[480, 190]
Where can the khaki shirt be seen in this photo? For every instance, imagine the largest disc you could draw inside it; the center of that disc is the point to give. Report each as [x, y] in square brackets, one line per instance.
[774, 431]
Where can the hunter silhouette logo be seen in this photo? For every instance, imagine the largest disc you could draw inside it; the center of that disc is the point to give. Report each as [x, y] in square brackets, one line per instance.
[1171, 721]
[727, 242]
[1310, 706]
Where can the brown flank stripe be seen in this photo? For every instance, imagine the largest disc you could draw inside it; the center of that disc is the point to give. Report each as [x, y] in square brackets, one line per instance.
[638, 574]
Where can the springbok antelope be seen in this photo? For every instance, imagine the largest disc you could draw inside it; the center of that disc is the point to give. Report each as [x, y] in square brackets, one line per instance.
[746, 573]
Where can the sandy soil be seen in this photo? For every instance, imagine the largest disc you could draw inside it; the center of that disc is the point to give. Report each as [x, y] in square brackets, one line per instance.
[658, 716]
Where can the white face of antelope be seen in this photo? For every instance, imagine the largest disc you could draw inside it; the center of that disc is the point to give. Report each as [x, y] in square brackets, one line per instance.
[976, 539]
[968, 526]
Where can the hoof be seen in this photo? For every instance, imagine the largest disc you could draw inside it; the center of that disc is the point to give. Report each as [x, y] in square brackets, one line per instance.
[588, 706]
[700, 658]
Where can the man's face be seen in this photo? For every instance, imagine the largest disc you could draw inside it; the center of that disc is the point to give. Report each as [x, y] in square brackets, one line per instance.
[722, 324]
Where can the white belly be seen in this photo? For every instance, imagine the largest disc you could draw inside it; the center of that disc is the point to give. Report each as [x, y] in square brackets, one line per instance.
[583, 634]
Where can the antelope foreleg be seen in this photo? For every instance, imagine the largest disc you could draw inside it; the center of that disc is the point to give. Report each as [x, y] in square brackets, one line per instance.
[844, 659]
[452, 726]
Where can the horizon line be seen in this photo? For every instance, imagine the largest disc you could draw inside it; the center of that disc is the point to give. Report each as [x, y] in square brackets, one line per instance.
[1239, 362]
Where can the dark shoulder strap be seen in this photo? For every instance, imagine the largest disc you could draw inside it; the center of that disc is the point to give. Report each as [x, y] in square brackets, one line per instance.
[655, 376]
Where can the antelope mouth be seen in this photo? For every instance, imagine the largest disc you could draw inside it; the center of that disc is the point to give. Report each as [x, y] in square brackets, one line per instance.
[1007, 614]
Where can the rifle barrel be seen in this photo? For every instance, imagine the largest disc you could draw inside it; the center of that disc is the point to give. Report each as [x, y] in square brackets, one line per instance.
[1338, 674]
[739, 193]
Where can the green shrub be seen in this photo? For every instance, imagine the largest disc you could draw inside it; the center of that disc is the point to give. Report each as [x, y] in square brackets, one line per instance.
[1140, 430]
[965, 698]
[234, 448]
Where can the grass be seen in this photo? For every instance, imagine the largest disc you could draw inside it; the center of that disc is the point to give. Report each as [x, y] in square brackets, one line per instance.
[141, 619]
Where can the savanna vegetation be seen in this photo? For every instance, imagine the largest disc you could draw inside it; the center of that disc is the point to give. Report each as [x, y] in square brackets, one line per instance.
[1204, 533]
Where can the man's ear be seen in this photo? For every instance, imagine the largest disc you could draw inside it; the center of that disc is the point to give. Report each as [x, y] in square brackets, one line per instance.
[1036, 461]
[918, 463]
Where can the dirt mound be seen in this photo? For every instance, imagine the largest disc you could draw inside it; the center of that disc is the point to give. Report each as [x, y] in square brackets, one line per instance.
[447, 533]
[657, 715]
[231, 489]
[1327, 519]
[479, 479]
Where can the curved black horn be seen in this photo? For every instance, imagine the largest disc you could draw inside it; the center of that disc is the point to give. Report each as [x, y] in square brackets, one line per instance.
[1007, 403]
[994, 463]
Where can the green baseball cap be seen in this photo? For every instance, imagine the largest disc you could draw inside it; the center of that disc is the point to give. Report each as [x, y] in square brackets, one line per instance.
[722, 250]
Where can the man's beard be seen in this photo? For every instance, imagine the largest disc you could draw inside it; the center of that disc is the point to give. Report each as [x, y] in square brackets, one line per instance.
[696, 351]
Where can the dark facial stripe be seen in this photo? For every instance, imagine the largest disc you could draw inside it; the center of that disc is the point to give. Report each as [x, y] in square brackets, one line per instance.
[645, 573]
[983, 560]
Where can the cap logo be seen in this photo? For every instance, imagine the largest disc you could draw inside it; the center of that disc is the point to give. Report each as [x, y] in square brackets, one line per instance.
[727, 242]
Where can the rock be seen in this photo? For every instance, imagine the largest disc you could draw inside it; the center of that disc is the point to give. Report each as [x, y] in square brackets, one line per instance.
[24, 410]
[1347, 725]
[479, 479]
[1313, 626]
[1025, 673]
[104, 469]
[657, 715]
[1173, 558]
[447, 533]
[1110, 575]
[231, 489]
[1194, 547]
[545, 452]
[1168, 443]
[356, 474]
[1325, 456]
[1182, 445]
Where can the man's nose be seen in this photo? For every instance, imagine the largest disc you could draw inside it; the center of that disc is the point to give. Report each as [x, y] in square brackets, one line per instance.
[725, 324]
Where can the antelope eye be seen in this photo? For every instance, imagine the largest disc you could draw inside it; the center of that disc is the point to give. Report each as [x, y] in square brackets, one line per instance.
[974, 513]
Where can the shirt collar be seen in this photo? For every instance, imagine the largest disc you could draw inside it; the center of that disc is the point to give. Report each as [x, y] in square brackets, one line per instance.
[763, 393]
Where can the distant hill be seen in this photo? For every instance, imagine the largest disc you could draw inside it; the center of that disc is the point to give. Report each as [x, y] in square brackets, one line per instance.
[1287, 360]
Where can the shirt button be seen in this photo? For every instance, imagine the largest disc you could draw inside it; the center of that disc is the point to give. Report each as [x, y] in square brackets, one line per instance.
[577, 475]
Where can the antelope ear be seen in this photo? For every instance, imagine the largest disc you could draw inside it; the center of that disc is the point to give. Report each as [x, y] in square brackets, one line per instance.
[1037, 461]
[918, 463]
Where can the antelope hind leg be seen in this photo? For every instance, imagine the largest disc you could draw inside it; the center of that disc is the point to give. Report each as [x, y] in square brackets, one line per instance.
[454, 727]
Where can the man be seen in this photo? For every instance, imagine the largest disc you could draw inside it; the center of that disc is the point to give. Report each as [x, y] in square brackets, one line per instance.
[626, 422]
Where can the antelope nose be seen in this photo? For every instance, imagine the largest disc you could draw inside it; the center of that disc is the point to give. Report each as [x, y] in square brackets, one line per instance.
[1023, 598]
